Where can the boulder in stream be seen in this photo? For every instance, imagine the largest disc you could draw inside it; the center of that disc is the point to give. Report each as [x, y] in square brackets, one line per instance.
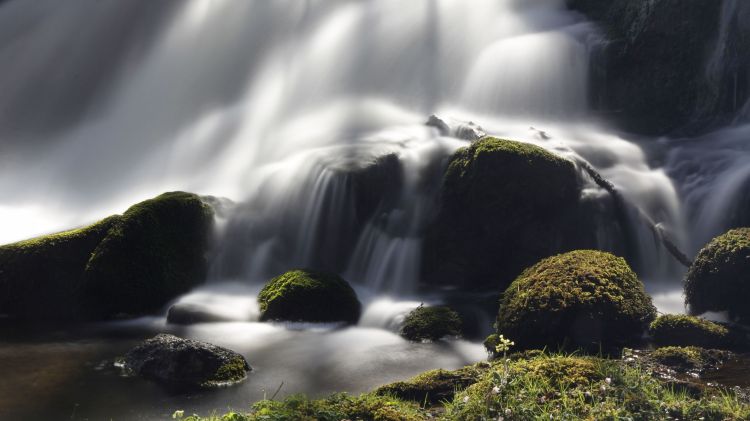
[185, 363]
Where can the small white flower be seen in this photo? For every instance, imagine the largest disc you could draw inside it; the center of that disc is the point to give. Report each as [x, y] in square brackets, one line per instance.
[466, 398]
[496, 390]
[608, 380]
[603, 388]
[508, 412]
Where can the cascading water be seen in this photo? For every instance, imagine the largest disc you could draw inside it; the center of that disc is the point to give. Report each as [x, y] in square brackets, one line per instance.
[306, 121]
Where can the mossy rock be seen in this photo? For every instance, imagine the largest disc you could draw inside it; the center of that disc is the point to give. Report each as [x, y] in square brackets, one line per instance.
[683, 330]
[503, 206]
[128, 264]
[426, 323]
[581, 299]
[719, 278]
[433, 386]
[309, 296]
[185, 363]
[685, 358]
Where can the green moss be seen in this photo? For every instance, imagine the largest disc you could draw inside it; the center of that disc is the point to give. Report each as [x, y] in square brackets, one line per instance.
[431, 324]
[233, 371]
[503, 206]
[529, 386]
[683, 330]
[305, 295]
[434, 386]
[719, 279]
[129, 264]
[42, 278]
[584, 298]
[564, 387]
[684, 357]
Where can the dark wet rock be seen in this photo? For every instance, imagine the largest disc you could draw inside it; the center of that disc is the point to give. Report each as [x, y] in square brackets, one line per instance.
[309, 296]
[129, 264]
[651, 74]
[465, 130]
[185, 363]
[190, 313]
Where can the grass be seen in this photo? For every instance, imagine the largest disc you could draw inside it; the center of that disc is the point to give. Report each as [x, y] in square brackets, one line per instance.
[529, 386]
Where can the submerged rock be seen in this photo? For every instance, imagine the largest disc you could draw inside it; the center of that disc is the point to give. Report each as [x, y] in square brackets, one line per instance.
[309, 296]
[190, 313]
[431, 324]
[504, 205]
[581, 299]
[129, 264]
[186, 363]
[719, 279]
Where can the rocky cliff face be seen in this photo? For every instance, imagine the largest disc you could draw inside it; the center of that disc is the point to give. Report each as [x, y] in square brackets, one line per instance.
[669, 66]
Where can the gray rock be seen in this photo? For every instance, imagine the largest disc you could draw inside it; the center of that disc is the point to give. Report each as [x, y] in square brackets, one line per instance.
[185, 363]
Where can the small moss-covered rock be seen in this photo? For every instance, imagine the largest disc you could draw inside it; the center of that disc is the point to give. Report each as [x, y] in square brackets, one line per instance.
[583, 298]
[125, 264]
[719, 278]
[431, 323]
[434, 386]
[686, 358]
[504, 205]
[310, 296]
[683, 330]
[186, 363]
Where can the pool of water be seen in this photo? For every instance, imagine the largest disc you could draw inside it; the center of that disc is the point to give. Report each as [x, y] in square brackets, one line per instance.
[67, 372]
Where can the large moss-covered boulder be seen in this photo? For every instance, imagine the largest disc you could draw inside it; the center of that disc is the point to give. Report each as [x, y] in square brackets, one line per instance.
[426, 323]
[504, 205]
[185, 363]
[683, 330]
[309, 296]
[719, 278]
[581, 299]
[128, 264]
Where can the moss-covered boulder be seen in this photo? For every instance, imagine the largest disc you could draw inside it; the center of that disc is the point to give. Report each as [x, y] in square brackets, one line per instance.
[503, 206]
[434, 386]
[185, 363]
[309, 296]
[719, 278]
[581, 299]
[127, 264]
[682, 330]
[431, 324]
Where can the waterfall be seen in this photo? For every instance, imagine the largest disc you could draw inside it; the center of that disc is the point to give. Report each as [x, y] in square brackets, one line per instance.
[309, 116]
